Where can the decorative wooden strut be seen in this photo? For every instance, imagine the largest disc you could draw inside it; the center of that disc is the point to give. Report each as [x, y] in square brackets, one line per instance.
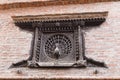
[61, 37]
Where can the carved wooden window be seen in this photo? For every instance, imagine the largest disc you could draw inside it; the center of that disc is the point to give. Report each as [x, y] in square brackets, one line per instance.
[58, 39]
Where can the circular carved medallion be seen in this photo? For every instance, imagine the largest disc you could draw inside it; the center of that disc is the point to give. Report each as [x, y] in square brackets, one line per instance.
[58, 46]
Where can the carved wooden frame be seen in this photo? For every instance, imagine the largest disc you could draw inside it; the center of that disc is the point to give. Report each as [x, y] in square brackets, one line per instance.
[60, 23]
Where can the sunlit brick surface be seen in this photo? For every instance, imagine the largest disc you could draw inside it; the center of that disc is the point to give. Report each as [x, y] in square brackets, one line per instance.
[102, 42]
[13, 1]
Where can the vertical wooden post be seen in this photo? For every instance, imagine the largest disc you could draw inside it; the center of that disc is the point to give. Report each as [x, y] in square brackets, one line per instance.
[35, 43]
[31, 48]
[83, 43]
[80, 43]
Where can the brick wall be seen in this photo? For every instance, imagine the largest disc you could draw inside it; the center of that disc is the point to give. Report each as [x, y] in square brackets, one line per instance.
[9, 4]
[102, 42]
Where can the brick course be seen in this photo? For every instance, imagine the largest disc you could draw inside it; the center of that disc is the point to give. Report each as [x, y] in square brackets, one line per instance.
[9, 4]
[102, 42]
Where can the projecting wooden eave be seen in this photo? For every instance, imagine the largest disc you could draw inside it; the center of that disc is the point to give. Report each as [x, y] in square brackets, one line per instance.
[90, 19]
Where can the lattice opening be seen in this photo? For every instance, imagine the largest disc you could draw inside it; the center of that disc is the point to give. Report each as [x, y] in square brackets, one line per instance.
[58, 42]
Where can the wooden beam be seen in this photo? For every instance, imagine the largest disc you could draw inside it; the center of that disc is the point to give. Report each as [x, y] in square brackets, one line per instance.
[57, 17]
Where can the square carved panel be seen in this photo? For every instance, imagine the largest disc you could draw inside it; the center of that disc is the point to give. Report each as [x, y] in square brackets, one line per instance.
[57, 46]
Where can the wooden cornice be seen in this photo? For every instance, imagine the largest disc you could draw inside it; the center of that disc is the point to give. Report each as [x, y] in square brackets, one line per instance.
[90, 19]
[59, 17]
[47, 3]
